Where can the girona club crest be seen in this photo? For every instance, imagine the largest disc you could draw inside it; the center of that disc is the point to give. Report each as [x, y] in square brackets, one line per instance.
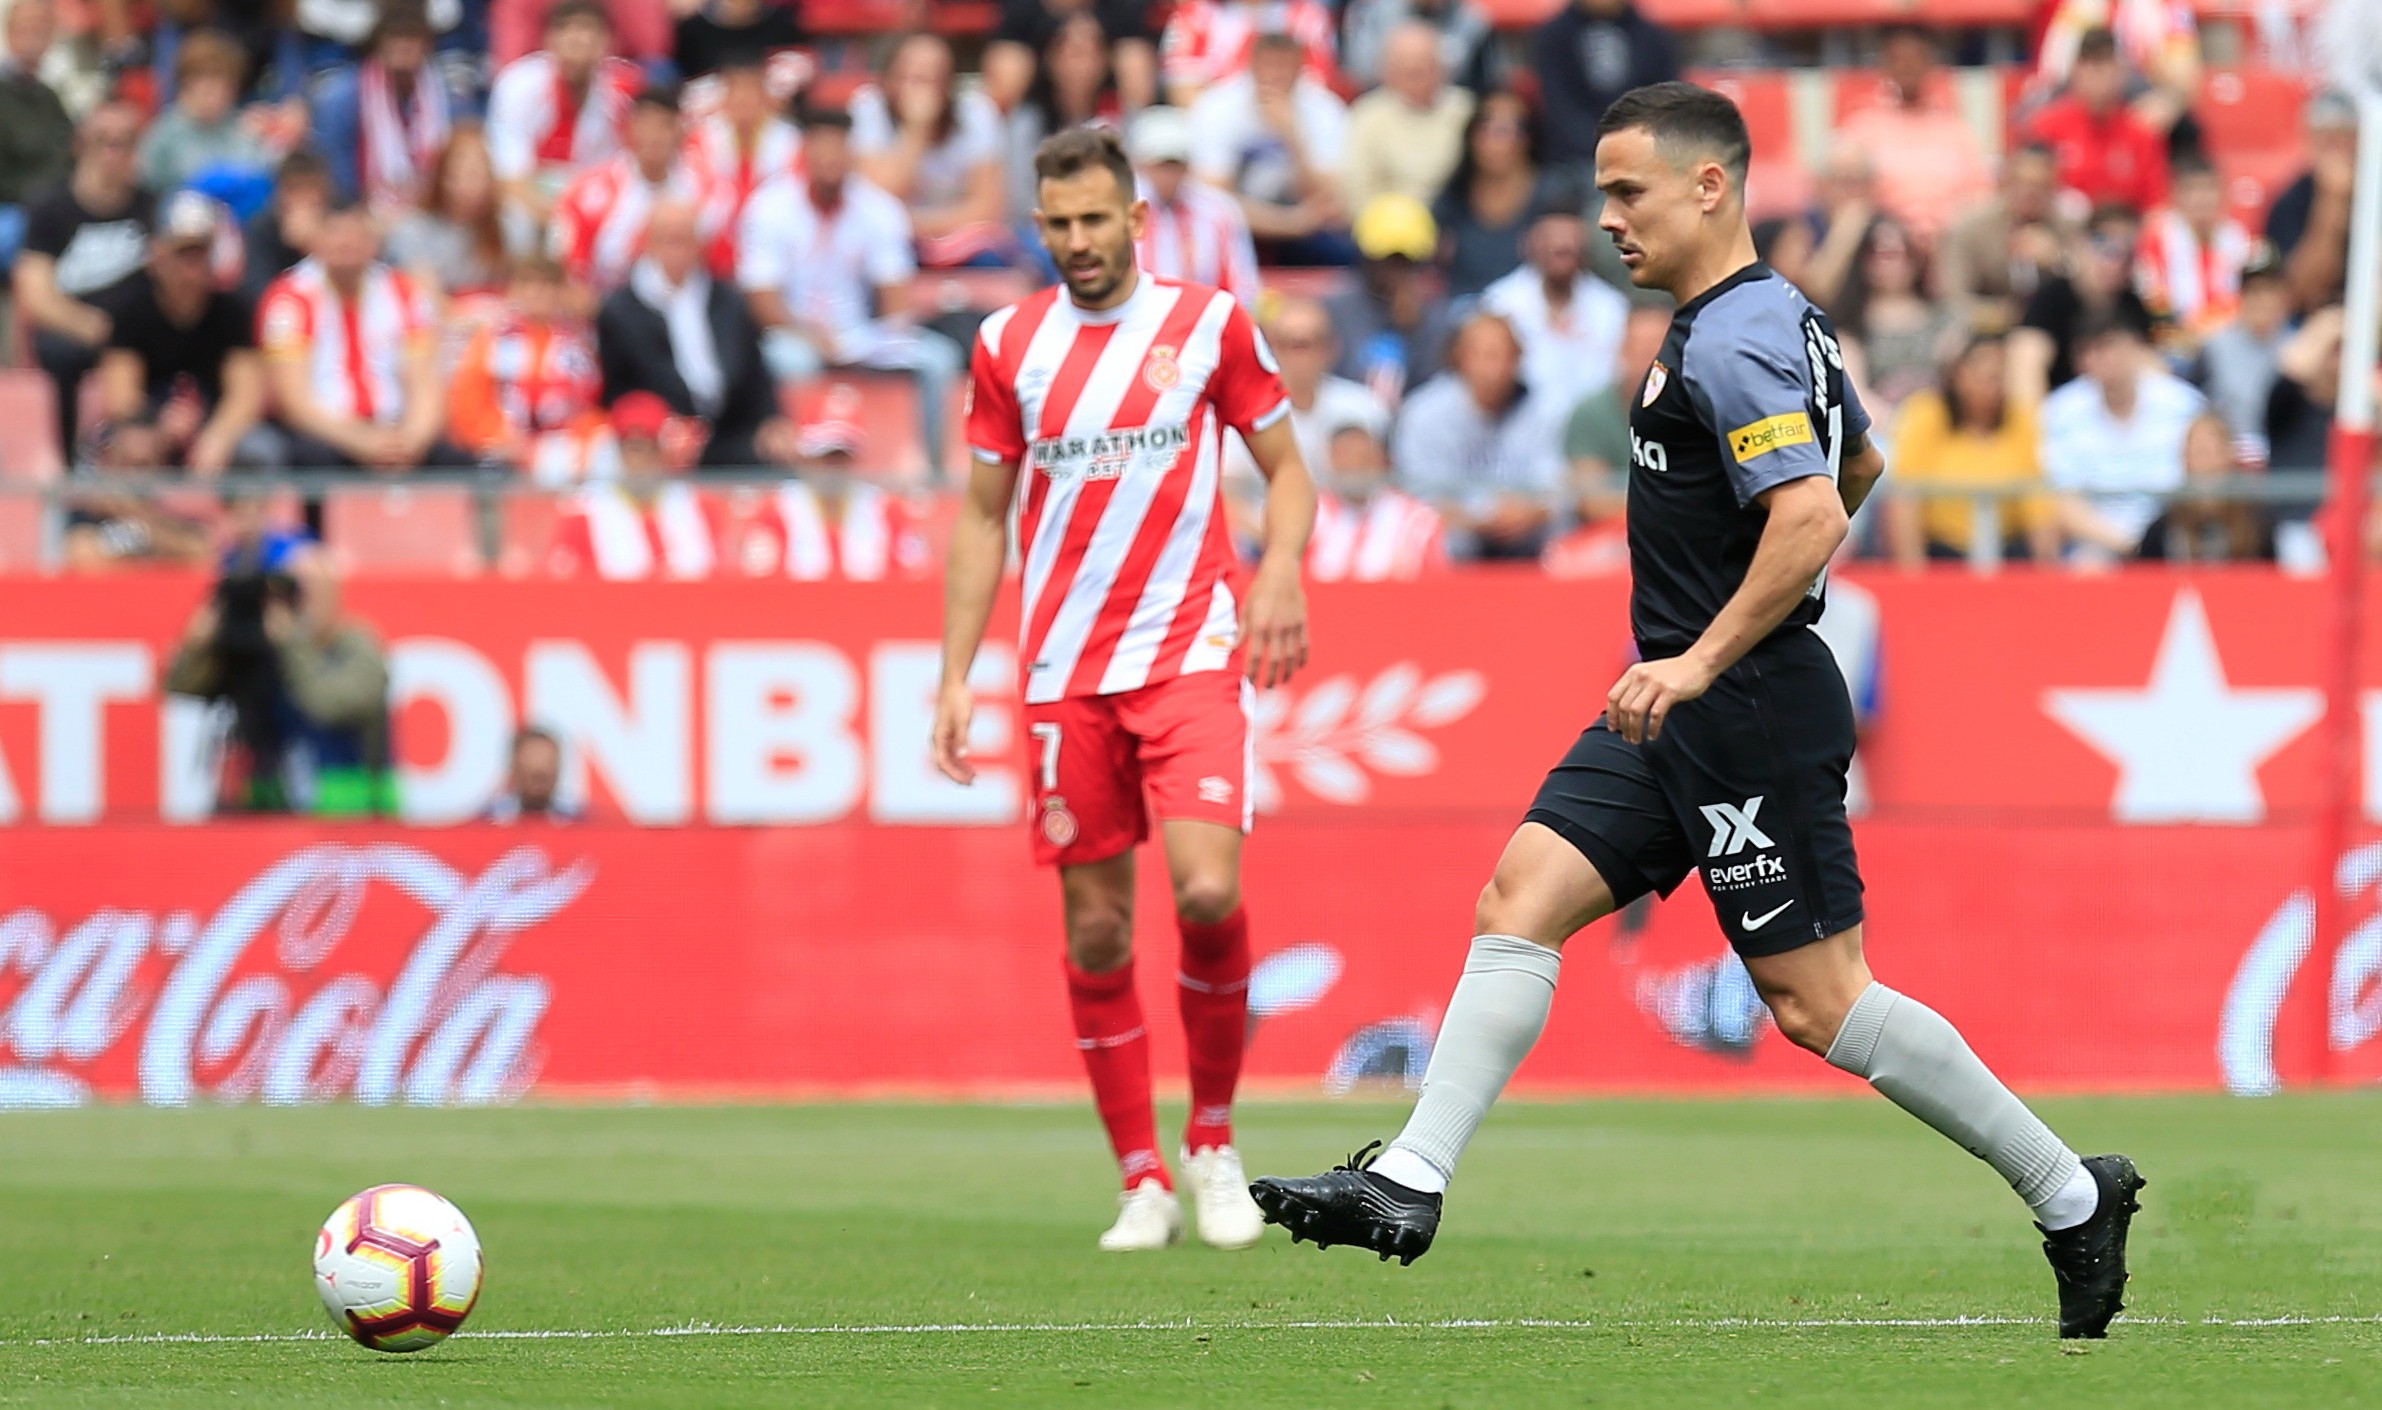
[1058, 825]
[1161, 370]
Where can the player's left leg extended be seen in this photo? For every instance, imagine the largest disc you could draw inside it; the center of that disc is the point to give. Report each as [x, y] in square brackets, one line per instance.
[1203, 860]
[1825, 1000]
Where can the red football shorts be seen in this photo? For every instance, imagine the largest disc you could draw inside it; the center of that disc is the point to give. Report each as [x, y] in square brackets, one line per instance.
[1185, 740]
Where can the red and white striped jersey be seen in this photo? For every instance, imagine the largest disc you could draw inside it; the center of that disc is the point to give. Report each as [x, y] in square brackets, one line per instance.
[354, 349]
[598, 228]
[2194, 281]
[1116, 418]
[1202, 239]
[1392, 537]
[609, 535]
[1208, 41]
[878, 536]
[736, 169]
[533, 126]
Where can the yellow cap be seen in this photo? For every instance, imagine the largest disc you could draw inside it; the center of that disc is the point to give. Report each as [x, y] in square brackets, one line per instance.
[1395, 224]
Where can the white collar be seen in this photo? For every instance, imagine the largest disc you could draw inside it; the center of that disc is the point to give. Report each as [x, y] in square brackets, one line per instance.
[1095, 317]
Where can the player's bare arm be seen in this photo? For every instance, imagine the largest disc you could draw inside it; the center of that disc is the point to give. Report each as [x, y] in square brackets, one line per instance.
[1274, 619]
[1859, 476]
[971, 575]
[1807, 522]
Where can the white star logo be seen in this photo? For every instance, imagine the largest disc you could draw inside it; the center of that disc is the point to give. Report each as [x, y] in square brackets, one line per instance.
[2188, 745]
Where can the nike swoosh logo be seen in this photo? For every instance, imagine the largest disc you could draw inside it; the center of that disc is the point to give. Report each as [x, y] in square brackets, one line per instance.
[1750, 923]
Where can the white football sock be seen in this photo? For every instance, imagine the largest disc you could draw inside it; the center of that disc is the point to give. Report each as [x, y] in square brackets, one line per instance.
[2071, 1204]
[1493, 1019]
[1919, 1062]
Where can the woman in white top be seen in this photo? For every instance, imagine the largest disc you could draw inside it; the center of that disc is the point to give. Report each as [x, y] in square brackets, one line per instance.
[937, 149]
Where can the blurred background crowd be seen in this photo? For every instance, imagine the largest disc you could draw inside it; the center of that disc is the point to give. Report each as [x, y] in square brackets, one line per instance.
[707, 270]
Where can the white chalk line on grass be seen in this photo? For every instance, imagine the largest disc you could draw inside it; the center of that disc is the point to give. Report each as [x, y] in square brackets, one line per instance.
[706, 1329]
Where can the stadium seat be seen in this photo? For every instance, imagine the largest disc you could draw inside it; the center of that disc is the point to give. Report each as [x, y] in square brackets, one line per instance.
[1776, 183]
[525, 530]
[404, 530]
[1979, 13]
[1823, 14]
[1858, 89]
[834, 88]
[964, 18]
[859, 17]
[21, 519]
[2249, 111]
[2254, 179]
[29, 427]
[883, 404]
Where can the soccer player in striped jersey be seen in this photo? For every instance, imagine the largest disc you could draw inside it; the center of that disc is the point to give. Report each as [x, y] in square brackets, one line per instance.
[1109, 396]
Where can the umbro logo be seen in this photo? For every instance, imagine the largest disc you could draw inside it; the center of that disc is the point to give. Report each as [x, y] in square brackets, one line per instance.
[1215, 788]
[1733, 828]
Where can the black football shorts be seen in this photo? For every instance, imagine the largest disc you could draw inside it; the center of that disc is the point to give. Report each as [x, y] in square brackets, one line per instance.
[1745, 785]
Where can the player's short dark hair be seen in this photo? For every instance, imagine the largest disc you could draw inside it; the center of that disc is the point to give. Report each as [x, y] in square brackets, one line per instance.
[1277, 40]
[401, 19]
[565, 11]
[535, 734]
[1078, 150]
[814, 118]
[665, 96]
[2101, 325]
[303, 166]
[1906, 29]
[2190, 162]
[2097, 45]
[1685, 121]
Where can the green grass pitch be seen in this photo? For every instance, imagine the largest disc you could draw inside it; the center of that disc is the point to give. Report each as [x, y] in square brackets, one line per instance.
[1681, 1253]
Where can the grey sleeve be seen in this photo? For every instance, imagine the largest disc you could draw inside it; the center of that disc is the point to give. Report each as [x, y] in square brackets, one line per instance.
[1750, 378]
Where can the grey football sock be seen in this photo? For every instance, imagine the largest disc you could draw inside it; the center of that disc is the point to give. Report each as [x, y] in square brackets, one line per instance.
[1493, 1019]
[1919, 1062]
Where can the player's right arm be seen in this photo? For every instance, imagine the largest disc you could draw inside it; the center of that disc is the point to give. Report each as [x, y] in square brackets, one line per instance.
[979, 545]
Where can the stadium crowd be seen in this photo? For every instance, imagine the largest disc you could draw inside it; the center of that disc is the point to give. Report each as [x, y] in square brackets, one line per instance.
[615, 245]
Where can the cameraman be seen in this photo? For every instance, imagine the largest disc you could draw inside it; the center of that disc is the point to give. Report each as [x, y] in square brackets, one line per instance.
[306, 689]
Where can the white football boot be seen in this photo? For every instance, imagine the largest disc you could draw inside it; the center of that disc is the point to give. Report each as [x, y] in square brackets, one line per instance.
[1147, 1218]
[1228, 1218]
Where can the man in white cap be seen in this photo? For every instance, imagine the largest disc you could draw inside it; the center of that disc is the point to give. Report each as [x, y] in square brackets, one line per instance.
[1196, 232]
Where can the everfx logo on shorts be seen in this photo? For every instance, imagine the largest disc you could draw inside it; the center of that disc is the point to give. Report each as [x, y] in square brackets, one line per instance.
[1733, 828]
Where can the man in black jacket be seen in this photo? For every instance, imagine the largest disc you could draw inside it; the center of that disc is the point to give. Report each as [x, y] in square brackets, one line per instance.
[36, 135]
[1586, 55]
[673, 332]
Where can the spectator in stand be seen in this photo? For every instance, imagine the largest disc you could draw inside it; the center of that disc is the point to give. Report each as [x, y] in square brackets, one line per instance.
[1367, 530]
[1588, 54]
[599, 220]
[338, 33]
[832, 523]
[1905, 337]
[1027, 27]
[711, 35]
[84, 238]
[1195, 231]
[1488, 199]
[1570, 324]
[2189, 262]
[526, 392]
[1408, 134]
[1277, 139]
[351, 356]
[937, 150]
[640, 30]
[1596, 450]
[1073, 86]
[181, 353]
[1485, 448]
[1839, 224]
[1392, 323]
[740, 145]
[122, 519]
[533, 783]
[457, 243]
[825, 260]
[1209, 41]
[2297, 425]
[2238, 362]
[2098, 281]
[204, 132]
[36, 135]
[382, 123]
[1998, 252]
[676, 333]
[1966, 431]
[1300, 333]
[1467, 41]
[646, 522]
[2309, 222]
[2118, 440]
[1928, 165]
[2104, 149]
[282, 233]
[560, 110]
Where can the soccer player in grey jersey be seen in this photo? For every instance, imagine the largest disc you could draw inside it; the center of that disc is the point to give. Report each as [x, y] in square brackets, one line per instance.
[1724, 750]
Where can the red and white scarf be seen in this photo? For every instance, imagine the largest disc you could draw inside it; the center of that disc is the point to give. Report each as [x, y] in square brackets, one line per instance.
[395, 146]
[630, 542]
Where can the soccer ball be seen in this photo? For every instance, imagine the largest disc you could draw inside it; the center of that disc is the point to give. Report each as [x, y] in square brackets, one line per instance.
[398, 1267]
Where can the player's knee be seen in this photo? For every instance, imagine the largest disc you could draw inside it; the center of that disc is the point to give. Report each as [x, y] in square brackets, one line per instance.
[1099, 938]
[1206, 899]
[1809, 1020]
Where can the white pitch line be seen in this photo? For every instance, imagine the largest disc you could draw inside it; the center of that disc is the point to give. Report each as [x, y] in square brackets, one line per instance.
[1375, 1324]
